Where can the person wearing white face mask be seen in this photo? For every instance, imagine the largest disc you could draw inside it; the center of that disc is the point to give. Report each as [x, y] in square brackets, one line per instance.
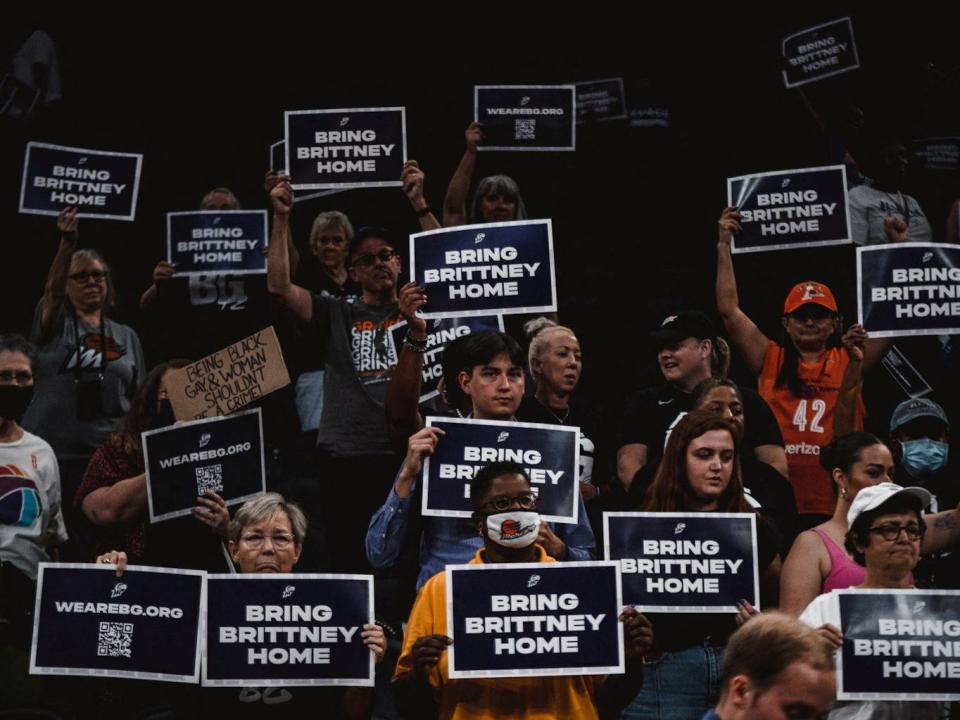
[505, 516]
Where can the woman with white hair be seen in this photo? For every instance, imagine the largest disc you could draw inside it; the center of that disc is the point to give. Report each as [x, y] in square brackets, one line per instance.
[266, 536]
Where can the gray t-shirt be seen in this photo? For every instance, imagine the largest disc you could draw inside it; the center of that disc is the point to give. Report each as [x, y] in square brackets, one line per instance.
[53, 413]
[868, 208]
[361, 359]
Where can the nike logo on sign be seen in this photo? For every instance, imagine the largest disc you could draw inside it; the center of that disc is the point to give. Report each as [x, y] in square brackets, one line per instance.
[664, 402]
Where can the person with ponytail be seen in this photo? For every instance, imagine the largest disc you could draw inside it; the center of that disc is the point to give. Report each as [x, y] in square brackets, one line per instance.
[801, 376]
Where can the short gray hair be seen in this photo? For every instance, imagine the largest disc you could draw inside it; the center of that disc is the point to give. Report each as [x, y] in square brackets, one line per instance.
[331, 219]
[263, 507]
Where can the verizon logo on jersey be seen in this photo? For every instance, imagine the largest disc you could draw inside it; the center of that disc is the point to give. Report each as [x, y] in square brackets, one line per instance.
[802, 449]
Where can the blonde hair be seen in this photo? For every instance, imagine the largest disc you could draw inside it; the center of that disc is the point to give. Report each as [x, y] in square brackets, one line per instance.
[538, 331]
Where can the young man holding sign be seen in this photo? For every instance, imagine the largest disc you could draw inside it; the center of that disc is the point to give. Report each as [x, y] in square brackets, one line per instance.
[493, 380]
[505, 517]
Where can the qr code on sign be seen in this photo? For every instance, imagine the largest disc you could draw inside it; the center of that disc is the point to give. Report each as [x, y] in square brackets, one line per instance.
[115, 639]
[209, 479]
[525, 129]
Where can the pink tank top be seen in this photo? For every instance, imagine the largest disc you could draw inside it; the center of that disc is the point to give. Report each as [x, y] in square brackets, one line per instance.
[844, 572]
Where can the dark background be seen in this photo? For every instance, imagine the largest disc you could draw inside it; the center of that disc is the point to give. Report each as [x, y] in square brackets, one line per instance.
[634, 209]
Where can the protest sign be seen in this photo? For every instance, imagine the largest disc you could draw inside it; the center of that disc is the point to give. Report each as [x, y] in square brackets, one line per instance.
[941, 153]
[205, 242]
[278, 157]
[819, 52]
[899, 645]
[345, 148]
[601, 100]
[485, 269]
[439, 333]
[531, 619]
[101, 184]
[287, 629]
[904, 373]
[549, 453]
[220, 454]
[909, 289]
[526, 117]
[229, 379]
[790, 209]
[144, 625]
[278, 164]
[684, 562]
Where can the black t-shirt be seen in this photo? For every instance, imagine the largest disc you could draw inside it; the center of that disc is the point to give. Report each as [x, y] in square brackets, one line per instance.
[191, 317]
[309, 352]
[652, 411]
[531, 410]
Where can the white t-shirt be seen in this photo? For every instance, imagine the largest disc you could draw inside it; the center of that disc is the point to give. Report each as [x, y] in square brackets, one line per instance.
[30, 516]
[825, 609]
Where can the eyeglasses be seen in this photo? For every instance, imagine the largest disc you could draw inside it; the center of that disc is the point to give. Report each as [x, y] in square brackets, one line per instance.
[369, 259]
[84, 275]
[19, 377]
[526, 501]
[811, 312]
[255, 540]
[891, 532]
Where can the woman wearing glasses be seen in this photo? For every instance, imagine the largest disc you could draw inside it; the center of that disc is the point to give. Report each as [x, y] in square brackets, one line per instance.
[266, 536]
[90, 364]
[699, 472]
[886, 528]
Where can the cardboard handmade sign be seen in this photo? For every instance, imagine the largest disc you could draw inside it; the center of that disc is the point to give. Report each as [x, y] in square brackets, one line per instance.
[229, 379]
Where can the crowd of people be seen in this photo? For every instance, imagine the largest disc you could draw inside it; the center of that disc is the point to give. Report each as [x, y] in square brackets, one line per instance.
[347, 443]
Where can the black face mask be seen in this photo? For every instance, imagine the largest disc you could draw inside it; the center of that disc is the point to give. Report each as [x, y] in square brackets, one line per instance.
[14, 400]
[165, 417]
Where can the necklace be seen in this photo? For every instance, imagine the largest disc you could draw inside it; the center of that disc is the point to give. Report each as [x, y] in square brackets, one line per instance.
[562, 420]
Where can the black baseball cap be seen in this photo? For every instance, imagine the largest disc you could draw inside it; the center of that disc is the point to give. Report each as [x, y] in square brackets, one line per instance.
[688, 323]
